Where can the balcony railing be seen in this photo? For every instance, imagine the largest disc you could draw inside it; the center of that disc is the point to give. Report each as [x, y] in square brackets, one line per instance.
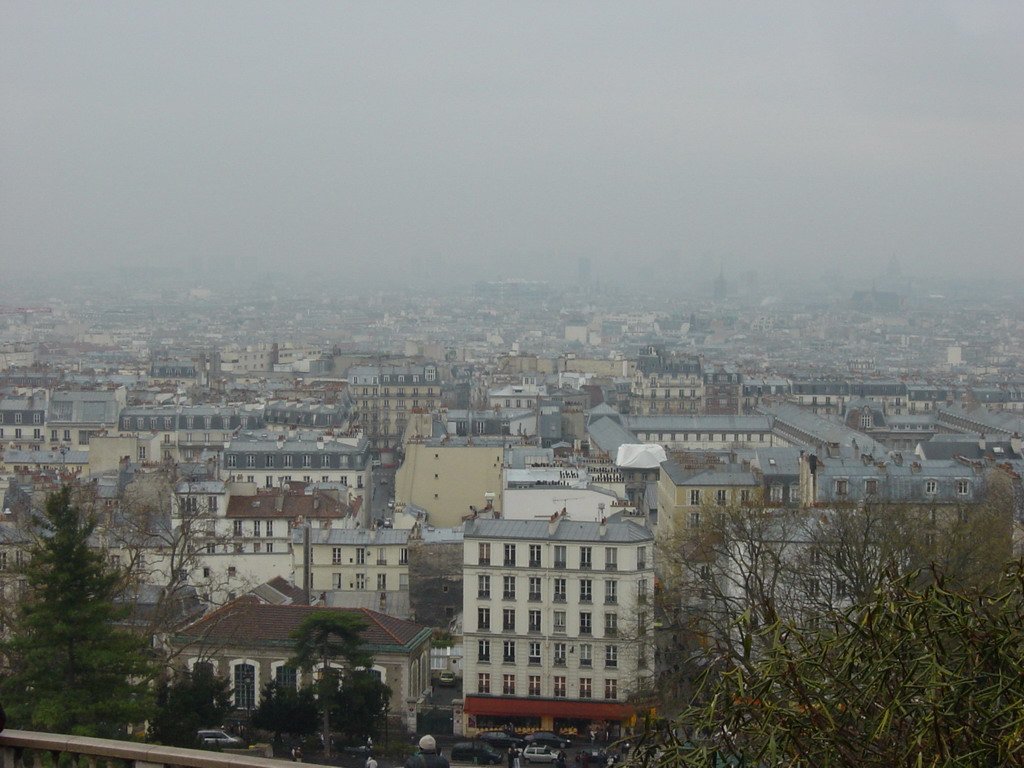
[21, 749]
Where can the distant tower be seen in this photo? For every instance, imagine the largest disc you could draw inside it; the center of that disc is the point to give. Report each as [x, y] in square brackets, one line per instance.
[720, 286]
[584, 270]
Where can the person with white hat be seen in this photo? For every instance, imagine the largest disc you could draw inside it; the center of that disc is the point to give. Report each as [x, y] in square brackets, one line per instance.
[428, 757]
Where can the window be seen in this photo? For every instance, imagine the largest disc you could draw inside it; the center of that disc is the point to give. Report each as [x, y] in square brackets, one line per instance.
[559, 686]
[337, 582]
[484, 553]
[611, 592]
[508, 651]
[586, 590]
[508, 685]
[586, 655]
[533, 624]
[360, 556]
[641, 557]
[535, 555]
[382, 556]
[510, 554]
[871, 487]
[641, 591]
[236, 528]
[508, 590]
[694, 497]
[483, 650]
[842, 486]
[403, 556]
[744, 496]
[483, 619]
[534, 593]
[559, 590]
[533, 688]
[483, 682]
[693, 521]
[611, 689]
[508, 619]
[586, 688]
[483, 583]
[720, 497]
[245, 686]
[360, 581]
[611, 655]
[586, 623]
[559, 556]
[585, 558]
[287, 461]
[611, 558]
[559, 621]
[286, 677]
[382, 581]
[256, 527]
[559, 654]
[250, 461]
[534, 652]
[336, 556]
[963, 487]
[931, 486]
[611, 624]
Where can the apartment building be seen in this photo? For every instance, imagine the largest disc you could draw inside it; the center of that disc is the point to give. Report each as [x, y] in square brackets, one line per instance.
[384, 396]
[556, 623]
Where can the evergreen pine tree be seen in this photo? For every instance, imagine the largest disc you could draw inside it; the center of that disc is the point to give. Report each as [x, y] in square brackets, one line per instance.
[73, 668]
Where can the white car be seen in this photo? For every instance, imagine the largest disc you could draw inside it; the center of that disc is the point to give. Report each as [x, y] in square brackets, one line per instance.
[220, 739]
[538, 754]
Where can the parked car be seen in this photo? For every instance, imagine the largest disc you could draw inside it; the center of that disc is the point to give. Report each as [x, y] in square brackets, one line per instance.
[598, 757]
[537, 753]
[548, 739]
[500, 739]
[475, 752]
[214, 737]
[446, 679]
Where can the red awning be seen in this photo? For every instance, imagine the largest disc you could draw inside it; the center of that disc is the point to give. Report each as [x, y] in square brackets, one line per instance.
[576, 710]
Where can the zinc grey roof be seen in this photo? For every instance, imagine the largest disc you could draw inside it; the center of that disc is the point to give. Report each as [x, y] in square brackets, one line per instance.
[722, 475]
[46, 457]
[382, 537]
[821, 430]
[778, 461]
[566, 530]
[697, 423]
[608, 434]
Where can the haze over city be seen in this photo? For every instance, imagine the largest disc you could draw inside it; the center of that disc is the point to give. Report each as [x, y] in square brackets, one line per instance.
[424, 144]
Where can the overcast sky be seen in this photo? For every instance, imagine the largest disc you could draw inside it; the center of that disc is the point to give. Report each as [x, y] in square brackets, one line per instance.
[509, 139]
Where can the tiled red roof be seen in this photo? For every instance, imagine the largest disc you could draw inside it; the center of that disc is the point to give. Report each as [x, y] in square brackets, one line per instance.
[246, 620]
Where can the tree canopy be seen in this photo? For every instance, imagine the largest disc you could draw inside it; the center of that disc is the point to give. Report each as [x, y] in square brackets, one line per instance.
[74, 668]
[323, 638]
[187, 701]
[922, 674]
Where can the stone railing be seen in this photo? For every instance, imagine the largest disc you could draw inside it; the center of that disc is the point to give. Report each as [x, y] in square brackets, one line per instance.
[28, 749]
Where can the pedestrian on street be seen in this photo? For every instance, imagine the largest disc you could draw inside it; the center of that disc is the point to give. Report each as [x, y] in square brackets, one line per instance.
[370, 762]
[296, 754]
[428, 757]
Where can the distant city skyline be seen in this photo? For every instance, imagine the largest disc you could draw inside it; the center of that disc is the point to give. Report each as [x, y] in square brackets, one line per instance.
[398, 142]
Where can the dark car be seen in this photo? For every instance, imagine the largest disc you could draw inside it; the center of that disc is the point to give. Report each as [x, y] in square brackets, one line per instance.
[597, 756]
[548, 739]
[500, 739]
[476, 752]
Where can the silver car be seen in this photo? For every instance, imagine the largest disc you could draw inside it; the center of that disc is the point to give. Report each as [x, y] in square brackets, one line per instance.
[218, 738]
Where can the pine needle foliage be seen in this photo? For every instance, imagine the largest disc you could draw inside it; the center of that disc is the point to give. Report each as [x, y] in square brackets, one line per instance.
[72, 667]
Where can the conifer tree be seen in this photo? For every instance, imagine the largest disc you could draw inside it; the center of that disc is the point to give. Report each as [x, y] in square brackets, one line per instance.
[73, 669]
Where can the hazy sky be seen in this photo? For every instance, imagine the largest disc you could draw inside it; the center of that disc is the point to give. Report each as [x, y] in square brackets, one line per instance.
[509, 139]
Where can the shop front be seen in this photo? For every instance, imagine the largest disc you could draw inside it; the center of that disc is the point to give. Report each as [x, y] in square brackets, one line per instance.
[582, 720]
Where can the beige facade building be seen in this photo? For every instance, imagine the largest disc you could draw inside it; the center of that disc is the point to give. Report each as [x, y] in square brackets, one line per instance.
[448, 476]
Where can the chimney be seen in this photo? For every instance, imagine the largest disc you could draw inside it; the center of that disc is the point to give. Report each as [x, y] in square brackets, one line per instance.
[981, 442]
[1015, 444]
[553, 524]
